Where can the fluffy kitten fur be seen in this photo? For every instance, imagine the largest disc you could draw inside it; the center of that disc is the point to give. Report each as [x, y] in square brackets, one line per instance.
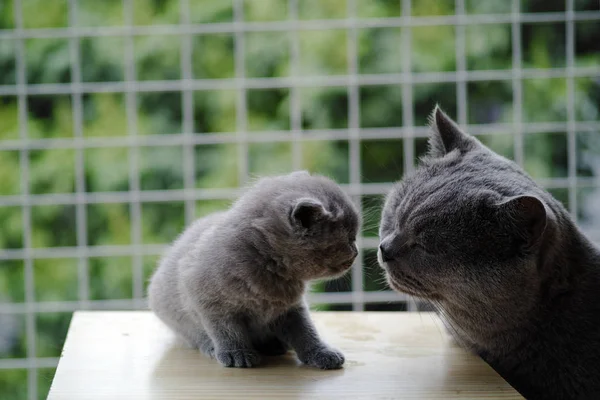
[232, 284]
[502, 261]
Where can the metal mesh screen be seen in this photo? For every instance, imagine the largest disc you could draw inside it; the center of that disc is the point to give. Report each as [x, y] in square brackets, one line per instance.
[359, 138]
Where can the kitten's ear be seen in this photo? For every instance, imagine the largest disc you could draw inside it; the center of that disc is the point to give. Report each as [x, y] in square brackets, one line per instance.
[528, 213]
[306, 212]
[446, 135]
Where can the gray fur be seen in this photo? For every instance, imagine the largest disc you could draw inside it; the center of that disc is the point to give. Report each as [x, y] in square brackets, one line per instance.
[502, 261]
[232, 285]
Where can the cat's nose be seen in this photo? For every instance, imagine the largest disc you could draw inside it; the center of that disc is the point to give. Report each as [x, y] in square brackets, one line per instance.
[385, 255]
[354, 250]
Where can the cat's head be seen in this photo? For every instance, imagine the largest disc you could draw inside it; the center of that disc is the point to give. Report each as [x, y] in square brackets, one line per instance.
[309, 224]
[466, 226]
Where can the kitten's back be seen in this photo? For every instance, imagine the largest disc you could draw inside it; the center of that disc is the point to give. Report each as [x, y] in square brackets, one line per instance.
[163, 291]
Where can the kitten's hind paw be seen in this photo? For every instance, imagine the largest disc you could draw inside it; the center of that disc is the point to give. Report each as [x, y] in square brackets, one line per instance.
[324, 358]
[271, 347]
[238, 358]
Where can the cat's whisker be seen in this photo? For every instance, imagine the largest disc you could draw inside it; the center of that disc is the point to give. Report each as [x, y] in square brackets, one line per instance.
[446, 320]
[436, 320]
[413, 301]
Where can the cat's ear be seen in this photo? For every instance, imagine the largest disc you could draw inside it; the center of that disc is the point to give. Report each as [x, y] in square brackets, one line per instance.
[446, 135]
[529, 216]
[307, 212]
[299, 174]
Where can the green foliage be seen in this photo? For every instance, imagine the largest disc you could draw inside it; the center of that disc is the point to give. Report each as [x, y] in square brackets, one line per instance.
[111, 278]
[62, 273]
[45, 376]
[51, 332]
[267, 54]
[13, 384]
[11, 284]
[11, 229]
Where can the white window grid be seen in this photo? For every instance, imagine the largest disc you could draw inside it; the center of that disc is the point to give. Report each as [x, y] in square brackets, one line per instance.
[186, 85]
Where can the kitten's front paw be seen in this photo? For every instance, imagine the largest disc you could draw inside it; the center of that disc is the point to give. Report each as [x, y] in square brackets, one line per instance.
[208, 349]
[238, 358]
[324, 358]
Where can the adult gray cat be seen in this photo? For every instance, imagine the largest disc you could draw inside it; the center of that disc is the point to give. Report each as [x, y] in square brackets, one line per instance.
[232, 284]
[503, 263]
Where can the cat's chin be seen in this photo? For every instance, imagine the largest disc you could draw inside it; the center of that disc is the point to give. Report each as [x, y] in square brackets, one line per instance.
[410, 286]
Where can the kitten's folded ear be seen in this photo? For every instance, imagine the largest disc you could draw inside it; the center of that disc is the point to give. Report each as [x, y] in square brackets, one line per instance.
[306, 212]
[446, 135]
[528, 214]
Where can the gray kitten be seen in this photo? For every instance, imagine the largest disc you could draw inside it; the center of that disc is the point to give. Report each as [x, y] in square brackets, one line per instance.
[503, 263]
[232, 285]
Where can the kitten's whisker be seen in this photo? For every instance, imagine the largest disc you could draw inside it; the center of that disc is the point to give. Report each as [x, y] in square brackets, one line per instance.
[381, 280]
[348, 278]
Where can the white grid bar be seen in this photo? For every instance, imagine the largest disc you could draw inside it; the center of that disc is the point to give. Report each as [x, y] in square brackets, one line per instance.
[175, 195]
[134, 168]
[358, 303]
[189, 153]
[287, 82]
[295, 97]
[407, 100]
[571, 125]
[136, 304]
[153, 249]
[31, 364]
[72, 252]
[282, 136]
[77, 109]
[461, 65]
[30, 325]
[407, 91]
[517, 82]
[284, 26]
[242, 103]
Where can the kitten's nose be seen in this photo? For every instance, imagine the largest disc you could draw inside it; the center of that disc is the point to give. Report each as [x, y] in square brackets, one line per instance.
[385, 255]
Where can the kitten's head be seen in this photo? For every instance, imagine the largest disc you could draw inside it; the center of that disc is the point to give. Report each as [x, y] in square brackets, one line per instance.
[466, 226]
[308, 224]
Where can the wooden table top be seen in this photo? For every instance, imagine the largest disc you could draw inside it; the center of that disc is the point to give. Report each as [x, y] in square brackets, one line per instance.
[132, 355]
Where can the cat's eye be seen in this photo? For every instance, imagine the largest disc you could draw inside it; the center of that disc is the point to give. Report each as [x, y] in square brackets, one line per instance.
[417, 245]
